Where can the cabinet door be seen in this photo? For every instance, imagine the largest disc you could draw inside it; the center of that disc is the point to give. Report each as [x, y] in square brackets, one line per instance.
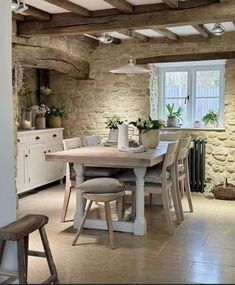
[54, 170]
[22, 176]
[36, 163]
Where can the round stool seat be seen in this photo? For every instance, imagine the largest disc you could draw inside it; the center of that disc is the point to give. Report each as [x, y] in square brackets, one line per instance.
[22, 227]
[101, 186]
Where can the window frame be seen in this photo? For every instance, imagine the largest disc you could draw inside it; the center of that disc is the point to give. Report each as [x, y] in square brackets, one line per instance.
[192, 73]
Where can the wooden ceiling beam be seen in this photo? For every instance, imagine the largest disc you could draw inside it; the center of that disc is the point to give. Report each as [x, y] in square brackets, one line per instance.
[66, 24]
[135, 35]
[70, 6]
[187, 57]
[172, 3]
[36, 13]
[18, 17]
[50, 58]
[166, 33]
[202, 30]
[121, 5]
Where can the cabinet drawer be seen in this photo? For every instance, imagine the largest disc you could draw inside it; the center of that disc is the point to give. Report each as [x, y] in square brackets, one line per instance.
[56, 135]
[32, 138]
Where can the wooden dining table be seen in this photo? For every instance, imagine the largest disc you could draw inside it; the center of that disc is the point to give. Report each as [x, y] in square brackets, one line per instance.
[102, 156]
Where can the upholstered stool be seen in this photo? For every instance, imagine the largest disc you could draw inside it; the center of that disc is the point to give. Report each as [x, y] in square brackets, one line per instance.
[100, 190]
[19, 231]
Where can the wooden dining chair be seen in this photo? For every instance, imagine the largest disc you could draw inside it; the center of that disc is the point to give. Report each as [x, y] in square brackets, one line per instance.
[70, 181]
[161, 180]
[93, 140]
[182, 173]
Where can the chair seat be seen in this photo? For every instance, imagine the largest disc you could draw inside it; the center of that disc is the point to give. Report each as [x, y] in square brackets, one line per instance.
[153, 175]
[101, 186]
[22, 227]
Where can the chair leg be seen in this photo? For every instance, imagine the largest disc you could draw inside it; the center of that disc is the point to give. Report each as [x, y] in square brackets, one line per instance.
[188, 193]
[82, 223]
[2, 247]
[67, 194]
[50, 261]
[175, 203]
[109, 223]
[21, 256]
[150, 199]
[120, 207]
[167, 209]
[133, 203]
[181, 186]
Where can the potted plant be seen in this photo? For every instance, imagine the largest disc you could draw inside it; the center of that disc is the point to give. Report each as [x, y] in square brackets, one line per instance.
[149, 131]
[173, 115]
[210, 119]
[40, 111]
[54, 116]
[112, 124]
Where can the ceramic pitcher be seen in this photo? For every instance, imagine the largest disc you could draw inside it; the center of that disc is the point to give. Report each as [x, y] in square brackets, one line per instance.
[125, 133]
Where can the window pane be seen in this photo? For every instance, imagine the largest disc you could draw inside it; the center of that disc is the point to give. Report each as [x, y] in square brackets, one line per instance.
[204, 105]
[176, 84]
[208, 83]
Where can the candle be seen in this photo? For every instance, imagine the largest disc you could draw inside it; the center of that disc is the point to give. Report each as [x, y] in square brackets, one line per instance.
[27, 124]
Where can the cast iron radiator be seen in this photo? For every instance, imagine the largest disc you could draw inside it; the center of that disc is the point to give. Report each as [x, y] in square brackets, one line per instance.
[197, 162]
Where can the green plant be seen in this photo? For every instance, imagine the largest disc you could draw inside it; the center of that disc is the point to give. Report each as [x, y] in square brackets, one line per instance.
[56, 111]
[174, 113]
[143, 125]
[210, 117]
[113, 122]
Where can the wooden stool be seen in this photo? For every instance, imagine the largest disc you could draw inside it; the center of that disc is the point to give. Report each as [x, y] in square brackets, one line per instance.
[100, 190]
[19, 231]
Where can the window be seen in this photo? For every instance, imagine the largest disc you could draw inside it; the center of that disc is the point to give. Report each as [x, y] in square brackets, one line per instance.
[195, 87]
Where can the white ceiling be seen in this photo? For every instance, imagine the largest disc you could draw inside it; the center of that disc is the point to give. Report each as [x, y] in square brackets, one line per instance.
[45, 6]
[92, 5]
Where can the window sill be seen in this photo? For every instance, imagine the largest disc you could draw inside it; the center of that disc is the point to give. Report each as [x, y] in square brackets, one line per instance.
[217, 129]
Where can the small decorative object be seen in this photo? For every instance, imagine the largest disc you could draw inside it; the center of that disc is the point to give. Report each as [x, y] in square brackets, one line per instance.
[149, 131]
[54, 116]
[124, 136]
[173, 116]
[210, 119]
[225, 191]
[45, 91]
[197, 124]
[40, 111]
[112, 123]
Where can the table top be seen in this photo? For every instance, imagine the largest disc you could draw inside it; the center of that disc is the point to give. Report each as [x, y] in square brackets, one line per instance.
[110, 156]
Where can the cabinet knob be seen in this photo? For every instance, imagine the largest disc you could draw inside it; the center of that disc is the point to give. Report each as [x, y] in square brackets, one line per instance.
[49, 150]
[26, 155]
[45, 151]
[18, 140]
[37, 138]
[54, 135]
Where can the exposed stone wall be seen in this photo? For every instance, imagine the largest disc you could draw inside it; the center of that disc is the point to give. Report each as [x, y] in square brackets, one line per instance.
[89, 102]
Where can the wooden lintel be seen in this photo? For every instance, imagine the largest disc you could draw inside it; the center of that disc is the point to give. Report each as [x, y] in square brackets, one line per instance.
[202, 30]
[166, 33]
[121, 5]
[172, 3]
[73, 25]
[18, 17]
[187, 57]
[70, 6]
[50, 58]
[36, 13]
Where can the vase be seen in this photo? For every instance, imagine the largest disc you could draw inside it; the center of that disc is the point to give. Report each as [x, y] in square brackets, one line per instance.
[113, 135]
[150, 138]
[40, 121]
[211, 124]
[54, 121]
[172, 121]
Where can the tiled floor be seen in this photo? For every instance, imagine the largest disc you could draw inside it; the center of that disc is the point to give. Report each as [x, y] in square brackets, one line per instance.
[201, 251]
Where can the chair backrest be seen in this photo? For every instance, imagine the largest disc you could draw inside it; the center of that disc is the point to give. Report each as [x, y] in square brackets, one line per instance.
[183, 148]
[171, 136]
[72, 143]
[92, 140]
[170, 156]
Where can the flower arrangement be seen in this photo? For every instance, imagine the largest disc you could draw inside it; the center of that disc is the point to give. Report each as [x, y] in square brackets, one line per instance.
[45, 91]
[40, 109]
[144, 125]
[56, 111]
[113, 122]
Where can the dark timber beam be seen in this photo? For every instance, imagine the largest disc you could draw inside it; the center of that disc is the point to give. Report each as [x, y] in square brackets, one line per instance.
[66, 24]
[50, 58]
[18, 17]
[70, 6]
[121, 5]
[36, 13]
[166, 33]
[172, 3]
[135, 35]
[187, 57]
[202, 30]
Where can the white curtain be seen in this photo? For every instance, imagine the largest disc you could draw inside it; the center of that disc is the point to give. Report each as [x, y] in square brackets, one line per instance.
[154, 92]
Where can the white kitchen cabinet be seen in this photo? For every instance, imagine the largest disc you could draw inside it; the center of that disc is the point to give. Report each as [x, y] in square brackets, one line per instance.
[32, 168]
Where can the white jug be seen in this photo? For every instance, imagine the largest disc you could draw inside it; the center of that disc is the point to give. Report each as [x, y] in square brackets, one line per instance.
[123, 135]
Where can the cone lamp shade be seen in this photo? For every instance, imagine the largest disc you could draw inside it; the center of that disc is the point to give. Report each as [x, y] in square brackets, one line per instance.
[130, 68]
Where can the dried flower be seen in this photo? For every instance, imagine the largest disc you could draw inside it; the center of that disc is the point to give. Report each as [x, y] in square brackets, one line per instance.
[40, 109]
[45, 91]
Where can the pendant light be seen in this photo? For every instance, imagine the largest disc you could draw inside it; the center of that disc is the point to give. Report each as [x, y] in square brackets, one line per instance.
[130, 68]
